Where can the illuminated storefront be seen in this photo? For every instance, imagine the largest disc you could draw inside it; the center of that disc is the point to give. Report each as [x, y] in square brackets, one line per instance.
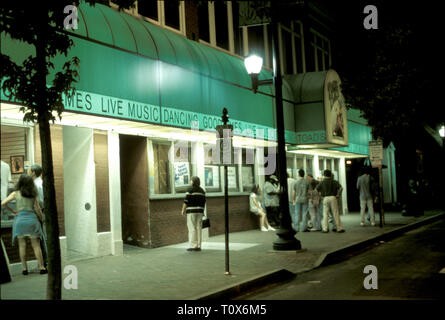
[143, 91]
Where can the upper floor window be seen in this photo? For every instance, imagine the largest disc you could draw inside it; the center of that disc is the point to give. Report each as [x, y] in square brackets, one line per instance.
[320, 51]
[292, 49]
[168, 13]
[215, 20]
[148, 9]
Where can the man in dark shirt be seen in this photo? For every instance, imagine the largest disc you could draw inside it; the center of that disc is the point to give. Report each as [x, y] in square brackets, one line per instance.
[194, 204]
[330, 190]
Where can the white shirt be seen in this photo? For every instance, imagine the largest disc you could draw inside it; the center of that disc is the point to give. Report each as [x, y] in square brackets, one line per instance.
[290, 187]
[38, 182]
[5, 178]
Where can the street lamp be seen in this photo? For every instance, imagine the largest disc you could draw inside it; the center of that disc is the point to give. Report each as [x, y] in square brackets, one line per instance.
[442, 132]
[253, 64]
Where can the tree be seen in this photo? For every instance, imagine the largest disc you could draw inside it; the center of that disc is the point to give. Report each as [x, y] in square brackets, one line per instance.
[388, 74]
[39, 89]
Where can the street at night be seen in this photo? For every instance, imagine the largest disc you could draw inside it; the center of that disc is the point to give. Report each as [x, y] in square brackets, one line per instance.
[409, 267]
[221, 150]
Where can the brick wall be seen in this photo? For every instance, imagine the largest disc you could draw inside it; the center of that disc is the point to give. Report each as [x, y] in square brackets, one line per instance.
[57, 147]
[167, 226]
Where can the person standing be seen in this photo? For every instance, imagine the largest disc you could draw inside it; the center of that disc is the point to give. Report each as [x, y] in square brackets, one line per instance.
[330, 191]
[290, 187]
[257, 208]
[194, 203]
[300, 199]
[364, 185]
[5, 180]
[35, 171]
[314, 204]
[272, 200]
[26, 224]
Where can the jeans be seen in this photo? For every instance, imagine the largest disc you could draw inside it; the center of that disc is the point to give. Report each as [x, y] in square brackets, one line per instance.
[301, 212]
[315, 215]
[370, 204]
[330, 204]
[292, 214]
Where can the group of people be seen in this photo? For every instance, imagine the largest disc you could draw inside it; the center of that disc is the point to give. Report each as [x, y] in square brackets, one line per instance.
[313, 203]
[28, 212]
[310, 202]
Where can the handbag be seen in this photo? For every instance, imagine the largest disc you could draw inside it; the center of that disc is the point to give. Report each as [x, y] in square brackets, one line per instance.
[205, 220]
[205, 223]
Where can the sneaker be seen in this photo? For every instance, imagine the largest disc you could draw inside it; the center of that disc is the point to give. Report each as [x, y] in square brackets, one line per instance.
[197, 249]
[191, 249]
[362, 224]
[43, 271]
[314, 229]
[270, 229]
[334, 230]
[373, 224]
[325, 231]
[340, 231]
[25, 272]
[306, 230]
[264, 229]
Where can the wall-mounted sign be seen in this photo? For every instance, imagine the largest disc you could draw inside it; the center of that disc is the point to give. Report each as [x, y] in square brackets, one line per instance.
[376, 153]
[320, 113]
[335, 109]
[100, 105]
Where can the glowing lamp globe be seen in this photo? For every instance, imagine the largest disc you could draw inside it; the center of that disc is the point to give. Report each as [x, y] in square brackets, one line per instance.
[253, 64]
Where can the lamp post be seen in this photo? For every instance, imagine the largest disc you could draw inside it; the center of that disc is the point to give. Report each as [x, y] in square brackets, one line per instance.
[253, 64]
[442, 135]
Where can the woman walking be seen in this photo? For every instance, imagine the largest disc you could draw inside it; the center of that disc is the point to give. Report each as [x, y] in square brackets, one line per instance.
[26, 223]
[257, 208]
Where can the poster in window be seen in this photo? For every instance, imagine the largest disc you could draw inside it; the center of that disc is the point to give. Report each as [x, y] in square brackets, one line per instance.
[182, 174]
[231, 177]
[17, 164]
[211, 176]
[247, 173]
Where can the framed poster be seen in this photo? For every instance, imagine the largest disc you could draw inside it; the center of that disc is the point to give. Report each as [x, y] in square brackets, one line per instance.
[17, 164]
[231, 177]
[211, 175]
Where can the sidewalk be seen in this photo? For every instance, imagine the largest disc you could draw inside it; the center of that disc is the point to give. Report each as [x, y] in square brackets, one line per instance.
[172, 273]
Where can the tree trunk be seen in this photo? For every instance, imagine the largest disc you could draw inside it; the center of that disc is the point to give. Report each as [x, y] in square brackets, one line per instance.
[54, 289]
[54, 284]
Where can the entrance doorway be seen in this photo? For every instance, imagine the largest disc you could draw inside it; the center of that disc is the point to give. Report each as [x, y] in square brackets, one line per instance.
[134, 190]
[353, 171]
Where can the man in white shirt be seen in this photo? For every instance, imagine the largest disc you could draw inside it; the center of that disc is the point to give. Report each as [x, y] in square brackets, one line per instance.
[5, 180]
[290, 187]
[35, 171]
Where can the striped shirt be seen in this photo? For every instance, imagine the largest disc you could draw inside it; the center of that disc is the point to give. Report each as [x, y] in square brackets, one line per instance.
[195, 199]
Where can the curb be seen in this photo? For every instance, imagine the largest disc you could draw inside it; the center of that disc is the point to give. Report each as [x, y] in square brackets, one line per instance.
[280, 275]
[255, 282]
[341, 254]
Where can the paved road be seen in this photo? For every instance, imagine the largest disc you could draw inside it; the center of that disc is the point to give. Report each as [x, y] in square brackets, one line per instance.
[408, 268]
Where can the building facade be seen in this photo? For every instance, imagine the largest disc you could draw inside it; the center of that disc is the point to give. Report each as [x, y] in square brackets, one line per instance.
[153, 83]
